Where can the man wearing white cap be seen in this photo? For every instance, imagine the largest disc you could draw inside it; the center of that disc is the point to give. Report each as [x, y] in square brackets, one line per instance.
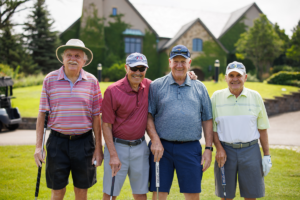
[73, 98]
[239, 120]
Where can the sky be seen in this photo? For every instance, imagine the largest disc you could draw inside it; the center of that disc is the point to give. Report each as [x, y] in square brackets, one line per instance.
[284, 12]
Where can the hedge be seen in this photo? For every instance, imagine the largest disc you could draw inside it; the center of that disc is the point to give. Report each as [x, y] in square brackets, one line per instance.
[285, 78]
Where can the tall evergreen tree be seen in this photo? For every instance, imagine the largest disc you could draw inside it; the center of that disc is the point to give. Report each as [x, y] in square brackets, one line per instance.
[42, 41]
[282, 60]
[294, 51]
[13, 53]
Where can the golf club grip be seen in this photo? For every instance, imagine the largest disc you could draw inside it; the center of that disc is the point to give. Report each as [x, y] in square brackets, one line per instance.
[112, 186]
[223, 175]
[37, 187]
[157, 174]
[46, 119]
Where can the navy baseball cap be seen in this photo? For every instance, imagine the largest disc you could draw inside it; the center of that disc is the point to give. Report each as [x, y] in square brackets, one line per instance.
[180, 50]
[136, 59]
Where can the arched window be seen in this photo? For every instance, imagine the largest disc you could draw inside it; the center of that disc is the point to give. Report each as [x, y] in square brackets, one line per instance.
[197, 44]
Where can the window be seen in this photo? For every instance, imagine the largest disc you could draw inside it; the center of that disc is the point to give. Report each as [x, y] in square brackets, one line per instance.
[114, 11]
[133, 45]
[197, 44]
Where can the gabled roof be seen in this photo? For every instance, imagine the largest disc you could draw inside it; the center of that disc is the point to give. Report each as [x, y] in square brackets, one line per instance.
[185, 28]
[235, 16]
[167, 20]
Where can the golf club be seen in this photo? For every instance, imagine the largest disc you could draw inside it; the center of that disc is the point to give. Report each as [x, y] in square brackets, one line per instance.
[223, 180]
[112, 187]
[157, 177]
[40, 168]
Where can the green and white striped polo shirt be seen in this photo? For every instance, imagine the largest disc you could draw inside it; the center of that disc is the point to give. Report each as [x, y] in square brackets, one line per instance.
[238, 119]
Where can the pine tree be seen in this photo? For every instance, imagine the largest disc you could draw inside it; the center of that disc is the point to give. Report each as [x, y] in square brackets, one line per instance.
[13, 53]
[42, 41]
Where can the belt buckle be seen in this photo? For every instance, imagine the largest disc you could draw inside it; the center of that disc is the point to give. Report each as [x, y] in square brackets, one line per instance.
[70, 137]
[237, 146]
[131, 143]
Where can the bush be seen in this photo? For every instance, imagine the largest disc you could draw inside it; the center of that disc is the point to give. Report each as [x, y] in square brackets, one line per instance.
[286, 68]
[115, 72]
[285, 78]
[30, 80]
[252, 78]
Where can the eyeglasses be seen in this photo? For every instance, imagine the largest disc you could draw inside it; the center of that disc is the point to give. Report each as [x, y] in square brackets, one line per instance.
[233, 65]
[134, 69]
[180, 53]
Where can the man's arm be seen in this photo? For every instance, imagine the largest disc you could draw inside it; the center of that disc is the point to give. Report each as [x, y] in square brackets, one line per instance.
[39, 139]
[98, 153]
[156, 148]
[264, 141]
[114, 162]
[208, 134]
[221, 156]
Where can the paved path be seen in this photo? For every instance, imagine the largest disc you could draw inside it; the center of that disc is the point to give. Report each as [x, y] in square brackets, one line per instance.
[284, 131]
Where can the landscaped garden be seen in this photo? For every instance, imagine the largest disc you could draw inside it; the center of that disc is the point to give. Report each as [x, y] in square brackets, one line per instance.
[28, 98]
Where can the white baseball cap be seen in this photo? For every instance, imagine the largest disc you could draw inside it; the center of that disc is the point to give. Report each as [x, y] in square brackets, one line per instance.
[236, 67]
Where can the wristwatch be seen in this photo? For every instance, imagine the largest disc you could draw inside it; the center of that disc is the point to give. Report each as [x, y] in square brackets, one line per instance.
[210, 148]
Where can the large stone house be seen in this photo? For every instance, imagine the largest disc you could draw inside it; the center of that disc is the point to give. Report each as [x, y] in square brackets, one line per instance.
[208, 35]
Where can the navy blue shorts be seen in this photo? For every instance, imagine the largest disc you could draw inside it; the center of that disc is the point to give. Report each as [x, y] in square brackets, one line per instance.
[185, 158]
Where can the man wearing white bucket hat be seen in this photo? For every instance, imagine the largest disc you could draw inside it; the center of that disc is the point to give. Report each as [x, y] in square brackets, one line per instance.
[73, 98]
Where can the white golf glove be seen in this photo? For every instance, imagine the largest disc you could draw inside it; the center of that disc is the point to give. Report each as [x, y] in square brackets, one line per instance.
[267, 164]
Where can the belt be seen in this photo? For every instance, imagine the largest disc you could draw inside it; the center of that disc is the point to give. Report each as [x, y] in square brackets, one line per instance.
[240, 145]
[178, 142]
[71, 137]
[130, 142]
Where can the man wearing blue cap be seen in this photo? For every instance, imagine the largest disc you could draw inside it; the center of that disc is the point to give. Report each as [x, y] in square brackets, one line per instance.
[178, 109]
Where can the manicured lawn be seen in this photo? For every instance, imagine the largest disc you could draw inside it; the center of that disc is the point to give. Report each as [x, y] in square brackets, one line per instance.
[28, 98]
[18, 178]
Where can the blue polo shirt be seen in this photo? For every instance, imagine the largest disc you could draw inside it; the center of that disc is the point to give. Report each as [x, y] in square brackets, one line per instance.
[178, 110]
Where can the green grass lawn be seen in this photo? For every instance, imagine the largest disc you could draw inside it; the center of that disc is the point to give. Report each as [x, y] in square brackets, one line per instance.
[28, 98]
[18, 174]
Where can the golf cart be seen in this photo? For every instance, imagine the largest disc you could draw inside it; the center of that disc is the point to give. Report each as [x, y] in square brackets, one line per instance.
[9, 117]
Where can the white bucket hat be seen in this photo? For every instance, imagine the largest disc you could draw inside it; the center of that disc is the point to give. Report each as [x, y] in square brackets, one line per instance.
[74, 44]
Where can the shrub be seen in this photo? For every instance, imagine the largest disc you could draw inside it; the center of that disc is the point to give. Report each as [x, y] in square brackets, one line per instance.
[285, 78]
[115, 72]
[252, 78]
[286, 68]
[30, 80]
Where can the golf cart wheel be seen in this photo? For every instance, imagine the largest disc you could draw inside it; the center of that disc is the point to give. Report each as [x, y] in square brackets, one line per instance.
[13, 127]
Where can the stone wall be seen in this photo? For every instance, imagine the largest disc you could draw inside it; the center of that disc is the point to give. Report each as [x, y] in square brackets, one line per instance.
[276, 106]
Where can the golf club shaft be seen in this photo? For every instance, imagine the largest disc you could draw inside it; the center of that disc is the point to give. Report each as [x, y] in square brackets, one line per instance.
[157, 178]
[223, 180]
[37, 187]
[112, 187]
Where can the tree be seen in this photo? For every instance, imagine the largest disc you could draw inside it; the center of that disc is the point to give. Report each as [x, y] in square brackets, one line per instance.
[7, 9]
[294, 51]
[42, 41]
[13, 53]
[282, 60]
[261, 44]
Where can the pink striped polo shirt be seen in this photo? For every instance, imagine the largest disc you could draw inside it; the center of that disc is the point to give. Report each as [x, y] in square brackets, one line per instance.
[71, 109]
[126, 109]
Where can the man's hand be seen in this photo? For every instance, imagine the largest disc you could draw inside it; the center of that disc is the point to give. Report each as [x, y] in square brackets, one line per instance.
[98, 156]
[221, 156]
[115, 165]
[192, 75]
[38, 156]
[207, 158]
[157, 150]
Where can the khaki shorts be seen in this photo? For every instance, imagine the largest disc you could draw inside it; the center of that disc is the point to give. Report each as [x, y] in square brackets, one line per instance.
[135, 163]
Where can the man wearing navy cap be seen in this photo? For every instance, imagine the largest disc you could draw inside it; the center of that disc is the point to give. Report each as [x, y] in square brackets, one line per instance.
[178, 109]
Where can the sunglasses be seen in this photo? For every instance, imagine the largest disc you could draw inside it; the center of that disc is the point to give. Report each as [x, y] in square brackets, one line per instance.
[239, 66]
[141, 69]
[180, 53]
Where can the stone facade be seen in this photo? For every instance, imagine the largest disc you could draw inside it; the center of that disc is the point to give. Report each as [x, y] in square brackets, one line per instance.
[196, 31]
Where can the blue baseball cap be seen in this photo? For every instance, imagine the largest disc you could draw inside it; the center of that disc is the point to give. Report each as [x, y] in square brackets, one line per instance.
[136, 59]
[180, 50]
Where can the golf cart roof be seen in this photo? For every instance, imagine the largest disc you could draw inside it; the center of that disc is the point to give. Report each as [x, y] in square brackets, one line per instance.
[6, 81]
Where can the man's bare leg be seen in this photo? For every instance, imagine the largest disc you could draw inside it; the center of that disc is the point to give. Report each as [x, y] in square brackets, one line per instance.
[107, 197]
[58, 194]
[192, 196]
[80, 194]
[139, 196]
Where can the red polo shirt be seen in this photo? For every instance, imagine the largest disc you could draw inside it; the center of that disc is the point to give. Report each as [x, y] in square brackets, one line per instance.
[126, 109]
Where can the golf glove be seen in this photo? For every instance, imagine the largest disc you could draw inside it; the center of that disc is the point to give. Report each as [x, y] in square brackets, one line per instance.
[267, 164]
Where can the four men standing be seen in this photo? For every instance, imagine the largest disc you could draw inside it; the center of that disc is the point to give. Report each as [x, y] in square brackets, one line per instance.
[178, 109]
